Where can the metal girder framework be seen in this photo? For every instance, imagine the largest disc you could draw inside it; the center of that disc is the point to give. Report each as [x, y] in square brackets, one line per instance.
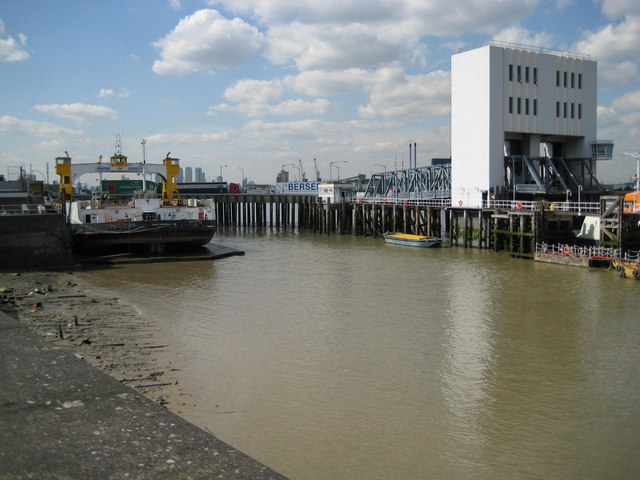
[545, 175]
[424, 182]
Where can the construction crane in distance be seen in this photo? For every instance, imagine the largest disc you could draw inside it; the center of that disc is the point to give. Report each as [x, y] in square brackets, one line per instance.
[302, 172]
[315, 164]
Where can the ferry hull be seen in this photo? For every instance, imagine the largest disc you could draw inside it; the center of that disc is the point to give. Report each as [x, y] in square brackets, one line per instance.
[121, 235]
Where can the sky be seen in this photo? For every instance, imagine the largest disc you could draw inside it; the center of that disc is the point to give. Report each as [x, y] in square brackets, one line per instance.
[235, 86]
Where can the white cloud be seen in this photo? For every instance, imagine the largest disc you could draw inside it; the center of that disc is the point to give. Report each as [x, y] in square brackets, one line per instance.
[257, 91]
[329, 82]
[79, 112]
[110, 93]
[14, 126]
[186, 138]
[615, 48]
[205, 41]
[399, 95]
[520, 35]
[312, 11]
[619, 8]
[175, 4]
[432, 17]
[12, 50]
[628, 102]
[320, 34]
[288, 107]
[332, 46]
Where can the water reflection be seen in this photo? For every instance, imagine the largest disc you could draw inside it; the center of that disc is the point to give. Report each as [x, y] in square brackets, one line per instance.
[467, 363]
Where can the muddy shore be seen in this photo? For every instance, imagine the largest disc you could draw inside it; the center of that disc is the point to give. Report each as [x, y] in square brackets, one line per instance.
[102, 329]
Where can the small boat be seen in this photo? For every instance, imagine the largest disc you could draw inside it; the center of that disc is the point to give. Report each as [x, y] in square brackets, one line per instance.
[412, 240]
[626, 268]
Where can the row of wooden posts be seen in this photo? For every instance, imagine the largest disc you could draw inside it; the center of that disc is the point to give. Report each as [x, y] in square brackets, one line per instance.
[516, 231]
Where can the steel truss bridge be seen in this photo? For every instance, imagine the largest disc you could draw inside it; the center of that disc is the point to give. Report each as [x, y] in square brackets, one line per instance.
[433, 181]
[545, 175]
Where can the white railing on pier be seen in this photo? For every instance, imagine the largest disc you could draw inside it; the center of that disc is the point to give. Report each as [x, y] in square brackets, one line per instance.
[577, 251]
[632, 255]
[570, 207]
[573, 207]
[512, 204]
[428, 202]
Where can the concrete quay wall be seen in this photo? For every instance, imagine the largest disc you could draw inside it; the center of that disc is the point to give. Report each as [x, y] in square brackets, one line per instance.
[60, 417]
[34, 241]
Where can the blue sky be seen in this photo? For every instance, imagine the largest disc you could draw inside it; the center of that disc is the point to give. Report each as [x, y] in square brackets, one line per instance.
[255, 84]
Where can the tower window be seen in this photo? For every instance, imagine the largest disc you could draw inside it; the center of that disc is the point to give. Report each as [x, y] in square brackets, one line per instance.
[510, 73]
[535, 106]
[526, 106]
[565, 109]
[558, 109]
[580, 80]
[557, 78]
[573, 80]
[526, 74]
[565, 79]
[519, 73]
[580, 111]
[518, 106]
[510, 104]
[535, 75]
[572, 110]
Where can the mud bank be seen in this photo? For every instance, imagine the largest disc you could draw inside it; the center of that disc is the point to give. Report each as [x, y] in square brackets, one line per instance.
[105, 331]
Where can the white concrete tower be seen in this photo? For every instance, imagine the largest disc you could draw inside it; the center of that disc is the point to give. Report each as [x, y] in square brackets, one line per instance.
[511, 99]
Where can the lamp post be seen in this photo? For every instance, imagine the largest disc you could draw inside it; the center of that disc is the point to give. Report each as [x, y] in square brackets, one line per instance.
[221, 167]
[579, 207]
[332, 164]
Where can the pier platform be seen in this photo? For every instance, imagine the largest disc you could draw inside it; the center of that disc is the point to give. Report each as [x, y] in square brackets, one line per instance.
[60, 417]
[209, 252]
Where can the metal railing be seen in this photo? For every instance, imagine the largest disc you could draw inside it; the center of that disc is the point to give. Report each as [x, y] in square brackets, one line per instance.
[428, 202]
[577, 251]
[26, 209]
[632, 255]
[573, 207]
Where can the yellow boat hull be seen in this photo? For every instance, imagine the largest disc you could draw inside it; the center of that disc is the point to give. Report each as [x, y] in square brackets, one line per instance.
[626, 268]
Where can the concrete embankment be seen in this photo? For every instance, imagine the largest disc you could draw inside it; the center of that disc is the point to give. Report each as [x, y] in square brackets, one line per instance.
[60, 417]
[34, 241]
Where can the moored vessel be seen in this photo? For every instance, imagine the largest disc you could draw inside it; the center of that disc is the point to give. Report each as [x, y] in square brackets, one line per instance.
[626, 267]
[412, 240]
[147, 219]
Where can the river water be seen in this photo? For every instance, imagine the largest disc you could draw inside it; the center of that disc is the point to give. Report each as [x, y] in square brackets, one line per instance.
[341, 357]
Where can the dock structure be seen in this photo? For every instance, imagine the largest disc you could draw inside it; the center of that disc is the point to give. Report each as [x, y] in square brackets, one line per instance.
[512, 226]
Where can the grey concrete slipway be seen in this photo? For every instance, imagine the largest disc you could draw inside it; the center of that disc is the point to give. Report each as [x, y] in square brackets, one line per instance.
[62, 418]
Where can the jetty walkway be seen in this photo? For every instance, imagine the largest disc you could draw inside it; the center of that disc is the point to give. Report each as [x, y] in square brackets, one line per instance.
[60, 417]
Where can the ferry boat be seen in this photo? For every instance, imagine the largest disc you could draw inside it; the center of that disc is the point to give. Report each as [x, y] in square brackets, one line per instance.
[147, 219]
[412, 240]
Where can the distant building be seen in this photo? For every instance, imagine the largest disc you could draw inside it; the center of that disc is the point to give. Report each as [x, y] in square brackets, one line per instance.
[523, 122]
[200, 177]
[180, 176]
[188, 175]
[333, 192]
[282, 177]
